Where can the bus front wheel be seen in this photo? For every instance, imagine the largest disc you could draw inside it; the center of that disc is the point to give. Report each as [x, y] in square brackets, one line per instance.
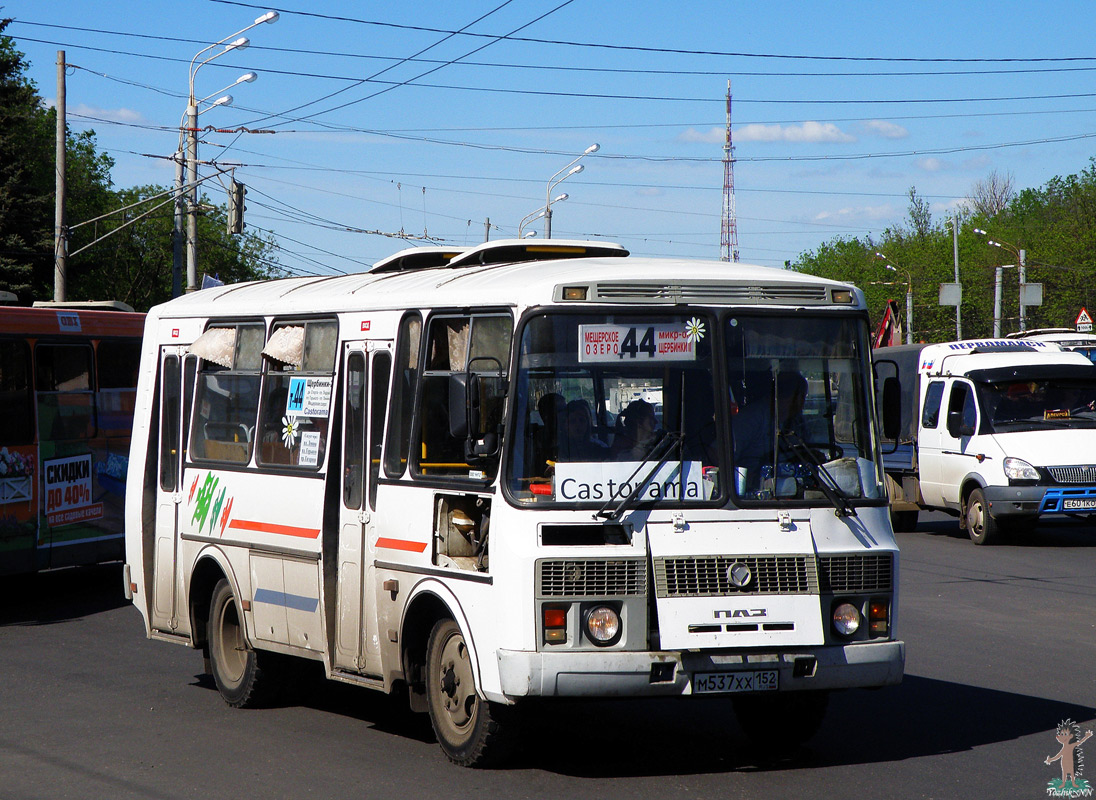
[234, 664]
[469, 728]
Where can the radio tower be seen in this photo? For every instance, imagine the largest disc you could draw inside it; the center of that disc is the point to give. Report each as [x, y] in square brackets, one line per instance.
[728, 244]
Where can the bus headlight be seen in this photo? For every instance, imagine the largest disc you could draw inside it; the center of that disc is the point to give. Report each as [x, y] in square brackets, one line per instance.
[846, 619]
[602, 625]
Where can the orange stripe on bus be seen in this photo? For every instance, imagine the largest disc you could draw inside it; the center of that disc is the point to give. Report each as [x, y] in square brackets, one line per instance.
[269, 527]
[401, 544]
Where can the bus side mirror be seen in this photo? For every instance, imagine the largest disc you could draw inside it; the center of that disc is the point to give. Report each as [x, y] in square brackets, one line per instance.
[481, 440]
[892, 408]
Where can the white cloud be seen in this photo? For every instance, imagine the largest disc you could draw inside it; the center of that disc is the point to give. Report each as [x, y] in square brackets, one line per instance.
[804, 132]
[888, 130]
[933, 164]
[111, 114]
[856, 214]
[713, 136]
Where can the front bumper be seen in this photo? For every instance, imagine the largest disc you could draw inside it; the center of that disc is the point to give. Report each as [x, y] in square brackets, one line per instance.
[1028, 501]
[660, 674]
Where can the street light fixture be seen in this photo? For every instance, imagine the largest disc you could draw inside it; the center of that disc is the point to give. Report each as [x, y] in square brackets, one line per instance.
[573, 168]
[540, 212]
[909, 294]
[1021, 267]
[237, 42]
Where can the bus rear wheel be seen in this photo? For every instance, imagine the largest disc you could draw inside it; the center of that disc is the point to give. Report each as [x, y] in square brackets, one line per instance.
[469, 728]
[235, 665]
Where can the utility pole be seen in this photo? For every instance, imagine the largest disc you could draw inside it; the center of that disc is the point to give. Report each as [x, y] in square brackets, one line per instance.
[487, 229]
[997, 275]
[955, 250]
[178, 234]
[1022, 268]
[60, 243]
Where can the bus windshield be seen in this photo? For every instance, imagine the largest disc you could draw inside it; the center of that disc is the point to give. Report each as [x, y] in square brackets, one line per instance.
[595, 397]
[800, 409]
[612, 408]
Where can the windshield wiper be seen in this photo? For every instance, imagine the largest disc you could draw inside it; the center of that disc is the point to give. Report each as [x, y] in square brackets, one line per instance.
[663, 449]
[826, 483]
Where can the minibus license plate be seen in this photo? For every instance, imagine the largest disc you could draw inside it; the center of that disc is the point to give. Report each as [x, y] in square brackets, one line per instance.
[762, 680]
[1084, 505]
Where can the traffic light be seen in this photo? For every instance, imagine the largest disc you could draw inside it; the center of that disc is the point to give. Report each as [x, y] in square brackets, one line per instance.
[236, 207]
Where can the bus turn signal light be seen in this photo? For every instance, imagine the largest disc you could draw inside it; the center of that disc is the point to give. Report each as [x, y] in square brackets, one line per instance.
[877, 618]
[555, 624]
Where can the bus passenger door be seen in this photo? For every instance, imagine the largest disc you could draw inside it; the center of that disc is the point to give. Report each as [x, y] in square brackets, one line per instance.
[365, 394]
[168, 489]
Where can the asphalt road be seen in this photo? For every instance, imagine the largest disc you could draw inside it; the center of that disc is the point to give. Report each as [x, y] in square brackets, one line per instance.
[999, 651]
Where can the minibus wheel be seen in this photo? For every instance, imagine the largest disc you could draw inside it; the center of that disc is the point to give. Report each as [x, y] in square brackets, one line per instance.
[235, 665]
[981, 524]
[468, 728]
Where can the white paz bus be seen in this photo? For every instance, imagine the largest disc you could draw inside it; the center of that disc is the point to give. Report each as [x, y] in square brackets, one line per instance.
[519, 471]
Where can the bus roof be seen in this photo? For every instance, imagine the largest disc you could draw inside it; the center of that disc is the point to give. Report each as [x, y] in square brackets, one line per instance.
[69, 321]
[608, 279]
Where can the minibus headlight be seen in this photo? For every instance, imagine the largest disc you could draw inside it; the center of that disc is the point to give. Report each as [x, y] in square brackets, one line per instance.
[1016, 469]
[846, 619]
[602, 625]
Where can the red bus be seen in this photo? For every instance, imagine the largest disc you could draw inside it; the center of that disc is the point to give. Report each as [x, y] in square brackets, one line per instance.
[68, 380]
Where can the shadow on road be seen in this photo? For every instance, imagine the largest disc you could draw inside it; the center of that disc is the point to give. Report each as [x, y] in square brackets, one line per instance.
[922, 717]
[1064, 532]
[50, 597]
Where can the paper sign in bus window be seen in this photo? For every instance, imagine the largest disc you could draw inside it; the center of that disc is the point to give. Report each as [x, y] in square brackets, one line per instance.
[310, 449]
[309, 397]
[632, 343]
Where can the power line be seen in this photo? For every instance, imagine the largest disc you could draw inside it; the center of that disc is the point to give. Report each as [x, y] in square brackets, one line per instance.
[669, 50]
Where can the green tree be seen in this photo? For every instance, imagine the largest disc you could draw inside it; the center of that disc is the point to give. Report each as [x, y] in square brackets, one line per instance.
[133, 264]
[26, 177]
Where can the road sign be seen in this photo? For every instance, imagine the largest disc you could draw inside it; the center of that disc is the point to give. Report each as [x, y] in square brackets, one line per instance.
[1083, 322]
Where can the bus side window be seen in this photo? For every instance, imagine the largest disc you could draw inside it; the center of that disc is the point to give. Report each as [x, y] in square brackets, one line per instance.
[382, 371]
[117, 363]
[16, 397]
[169, 421]
[227, 395]
[66, 402]
[404, 385]
[297, 393]
[456, 344]
[354, 428]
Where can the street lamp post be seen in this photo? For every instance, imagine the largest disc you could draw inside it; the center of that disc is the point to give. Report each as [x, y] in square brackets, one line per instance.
[178, 235]
[192, 139]
[1021, 268]
[572, 168]
[909, 294]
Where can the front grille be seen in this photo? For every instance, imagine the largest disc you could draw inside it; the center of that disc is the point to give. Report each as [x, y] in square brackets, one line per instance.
[591, 577]
[706, 576]
[1085, 473]
[856, 573]
[755, 294]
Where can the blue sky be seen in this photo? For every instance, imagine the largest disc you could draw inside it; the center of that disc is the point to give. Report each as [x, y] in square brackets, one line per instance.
[836, 114]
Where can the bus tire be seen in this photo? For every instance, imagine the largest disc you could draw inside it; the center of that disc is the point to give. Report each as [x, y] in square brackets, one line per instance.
[981, 525]
[786, 718]
[235, 665]
[468, 728]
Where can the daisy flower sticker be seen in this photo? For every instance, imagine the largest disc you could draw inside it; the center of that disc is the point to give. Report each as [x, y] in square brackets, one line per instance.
[694, 329]
[290, 430]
